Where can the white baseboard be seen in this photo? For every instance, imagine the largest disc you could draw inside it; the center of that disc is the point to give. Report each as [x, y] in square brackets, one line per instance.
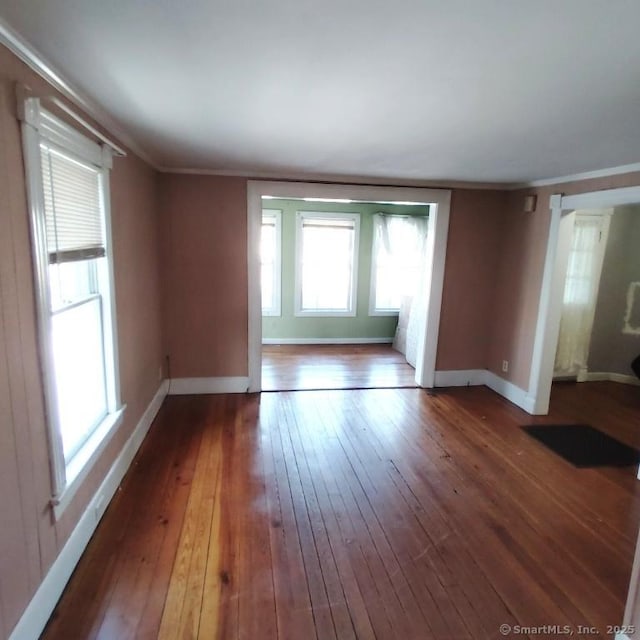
[38, 611]
[327, 340]
[601, 376]
[476, 377]
[513, 393]
[461, 378]
[508, 390]
[188, 386]
[529, 405]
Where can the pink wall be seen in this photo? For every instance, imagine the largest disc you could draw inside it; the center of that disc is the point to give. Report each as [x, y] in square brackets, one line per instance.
[29, 541]
[517, 290]
[473, 250]
[493, 275]
[204, 249]
[205, 275]
[520, 274]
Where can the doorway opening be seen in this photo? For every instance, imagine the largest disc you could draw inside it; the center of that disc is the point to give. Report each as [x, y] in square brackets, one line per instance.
[326, 220]
[343, 288]
[559, 244]
[596, 345]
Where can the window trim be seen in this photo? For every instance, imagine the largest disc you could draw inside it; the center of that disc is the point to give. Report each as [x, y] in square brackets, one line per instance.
[352, 312]
[39, 125]
[276, 310]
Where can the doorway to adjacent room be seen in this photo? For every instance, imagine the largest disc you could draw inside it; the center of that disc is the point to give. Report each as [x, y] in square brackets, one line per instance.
[329, 321]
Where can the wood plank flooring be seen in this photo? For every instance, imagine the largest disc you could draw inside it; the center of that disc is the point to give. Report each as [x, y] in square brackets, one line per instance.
[389, 513]
[366, 366]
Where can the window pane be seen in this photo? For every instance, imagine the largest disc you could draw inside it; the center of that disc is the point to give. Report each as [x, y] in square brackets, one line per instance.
[269, 261]
[267, 286]
[327, 264]
[71, 282]
[79, 372]
[268, 243]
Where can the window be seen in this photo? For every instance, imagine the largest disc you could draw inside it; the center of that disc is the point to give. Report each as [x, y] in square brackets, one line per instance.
[397, 262]
[270, 261]
[68, 177]
[326, 274]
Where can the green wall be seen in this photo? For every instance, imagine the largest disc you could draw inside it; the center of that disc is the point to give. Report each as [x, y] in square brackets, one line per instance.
[360, 326]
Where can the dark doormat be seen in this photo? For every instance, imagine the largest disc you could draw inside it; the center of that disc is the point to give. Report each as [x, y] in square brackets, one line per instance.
[583, 446]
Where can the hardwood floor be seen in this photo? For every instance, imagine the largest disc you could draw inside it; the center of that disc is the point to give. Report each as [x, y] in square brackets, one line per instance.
[390, 513]
[610, 407]
[366, 366]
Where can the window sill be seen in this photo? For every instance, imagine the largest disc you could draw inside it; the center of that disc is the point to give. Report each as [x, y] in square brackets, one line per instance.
[384, 312]
[325, 314]
[82, 463]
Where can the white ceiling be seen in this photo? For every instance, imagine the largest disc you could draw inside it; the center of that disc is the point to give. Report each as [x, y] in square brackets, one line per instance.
[481, 90]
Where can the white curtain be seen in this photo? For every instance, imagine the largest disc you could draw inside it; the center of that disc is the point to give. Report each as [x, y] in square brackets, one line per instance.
[404, 240]
[581, 288]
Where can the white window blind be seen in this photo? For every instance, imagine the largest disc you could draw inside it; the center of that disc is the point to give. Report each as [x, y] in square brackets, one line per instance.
[73, 218]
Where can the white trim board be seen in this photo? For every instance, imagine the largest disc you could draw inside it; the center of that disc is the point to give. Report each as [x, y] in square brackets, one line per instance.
[509, 391]
[479, 377]
[198, 386]
[460, 378]
[327, 340]
[334, 178]
[38, 611]
[585, 175]
[602, 376]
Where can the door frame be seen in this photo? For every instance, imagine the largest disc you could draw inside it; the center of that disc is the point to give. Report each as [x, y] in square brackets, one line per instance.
[553, 280]
[438, 229]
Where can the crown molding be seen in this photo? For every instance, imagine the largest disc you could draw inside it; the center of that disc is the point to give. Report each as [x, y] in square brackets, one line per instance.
[38, 63]
[401, 182]
[338, 179]
[576, 177]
